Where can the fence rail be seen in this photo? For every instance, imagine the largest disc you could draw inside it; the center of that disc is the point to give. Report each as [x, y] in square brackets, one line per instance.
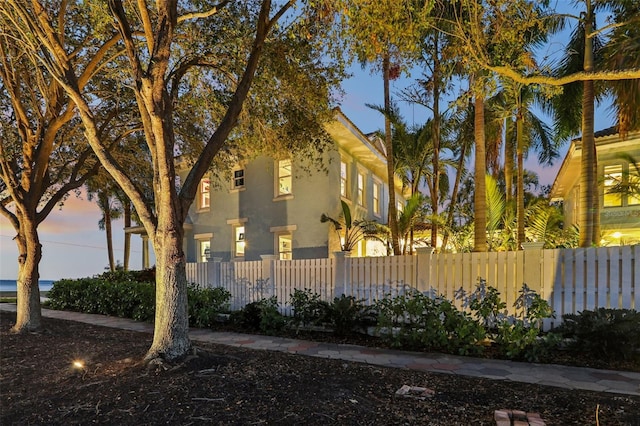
[571, 280]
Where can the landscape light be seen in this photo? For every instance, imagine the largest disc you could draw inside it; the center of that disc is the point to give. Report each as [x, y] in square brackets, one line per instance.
[78, 364]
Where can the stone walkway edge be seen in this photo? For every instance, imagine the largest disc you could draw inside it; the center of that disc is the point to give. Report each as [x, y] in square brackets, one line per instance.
[621, 382]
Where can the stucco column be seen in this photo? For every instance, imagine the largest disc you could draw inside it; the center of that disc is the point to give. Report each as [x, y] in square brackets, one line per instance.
[341, 273]
[213, 271]
[268, 274]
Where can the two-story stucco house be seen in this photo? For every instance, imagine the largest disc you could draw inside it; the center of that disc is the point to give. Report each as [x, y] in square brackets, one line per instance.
[273, 207]
[618, 160]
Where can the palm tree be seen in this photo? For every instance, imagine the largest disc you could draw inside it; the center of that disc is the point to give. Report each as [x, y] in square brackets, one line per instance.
[571, 115]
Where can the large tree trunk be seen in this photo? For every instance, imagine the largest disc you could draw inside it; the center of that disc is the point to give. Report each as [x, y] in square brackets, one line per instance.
[171, 331]
[28, 312]
[589, 219]
[480, 193]
[393, 211]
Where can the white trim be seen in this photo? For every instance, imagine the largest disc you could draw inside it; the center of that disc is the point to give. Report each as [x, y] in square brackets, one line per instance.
[203, 236]
[285, 228]
[239, 221]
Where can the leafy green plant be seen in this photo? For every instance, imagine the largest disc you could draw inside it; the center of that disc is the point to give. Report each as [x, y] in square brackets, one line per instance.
[308, 308]
[346, 313]
[485, 303]
[205, 304]
[262, 315]
[422, 321]
[604, 333]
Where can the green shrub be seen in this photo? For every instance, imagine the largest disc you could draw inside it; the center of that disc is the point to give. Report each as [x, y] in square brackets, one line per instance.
[346, 313]
[485, 304]
[418, 321]
[205, 304]
[609, 334]
[308, 308]
[126, 299]
[262, 315]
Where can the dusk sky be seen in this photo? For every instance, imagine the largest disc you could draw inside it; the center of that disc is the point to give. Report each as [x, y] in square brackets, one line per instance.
[74, 247]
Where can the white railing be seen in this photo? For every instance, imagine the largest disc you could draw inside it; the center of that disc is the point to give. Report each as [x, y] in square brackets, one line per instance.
[571, 280]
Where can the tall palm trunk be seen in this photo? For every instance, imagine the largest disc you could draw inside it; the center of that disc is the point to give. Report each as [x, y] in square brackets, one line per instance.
[393, 212]
[435, 191]
[508, 162]
[589, 219]
[520, 182]
[105, 205]
[126, 207]
[480, 196]
[28, 313]
[454, 194]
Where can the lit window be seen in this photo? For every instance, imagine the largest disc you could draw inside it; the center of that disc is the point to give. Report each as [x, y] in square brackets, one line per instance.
[284, 177]
[612, 178]
[239, 241]
[361, 189]
[376, 198]
[285, 244]
[343, 179]
[238, 179]
[205, 250]
[634, 184]
[205, 193]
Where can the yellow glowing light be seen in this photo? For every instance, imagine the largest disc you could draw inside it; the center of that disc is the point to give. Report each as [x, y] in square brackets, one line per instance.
[616, 235]
[78, 364]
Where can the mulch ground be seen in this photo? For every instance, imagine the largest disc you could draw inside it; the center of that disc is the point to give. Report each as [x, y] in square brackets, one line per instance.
[232, 386]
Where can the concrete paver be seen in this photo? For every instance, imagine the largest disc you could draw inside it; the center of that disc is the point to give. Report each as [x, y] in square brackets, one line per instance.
[620, 382]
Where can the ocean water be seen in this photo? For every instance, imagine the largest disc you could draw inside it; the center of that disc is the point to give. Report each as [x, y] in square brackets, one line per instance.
[11, 285]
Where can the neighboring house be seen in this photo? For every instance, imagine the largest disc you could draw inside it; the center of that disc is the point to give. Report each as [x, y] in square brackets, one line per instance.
[273, 206]
[619, 212]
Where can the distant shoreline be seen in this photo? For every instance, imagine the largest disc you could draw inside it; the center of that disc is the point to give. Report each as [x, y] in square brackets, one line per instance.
[11, 294]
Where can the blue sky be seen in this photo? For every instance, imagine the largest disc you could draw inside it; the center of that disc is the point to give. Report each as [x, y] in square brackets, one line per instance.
[74, 247]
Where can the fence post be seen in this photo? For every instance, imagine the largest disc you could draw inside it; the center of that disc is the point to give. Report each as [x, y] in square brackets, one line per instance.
[268, 271]
[341, 275]
[424, 257]
[532, 267]
[213, 271]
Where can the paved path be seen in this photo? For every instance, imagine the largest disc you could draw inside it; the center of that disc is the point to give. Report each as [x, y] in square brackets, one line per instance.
[543, 374]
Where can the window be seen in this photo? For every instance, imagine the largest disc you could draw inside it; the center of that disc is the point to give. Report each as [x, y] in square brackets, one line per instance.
[376, 198]
[203, 245]
[285, 245]
[284, 177]
[399, 206]
[360, 189]
[238, 179]
[343, 179]
[239, 241]
[205, 200]
[612, 179]
[634, 184]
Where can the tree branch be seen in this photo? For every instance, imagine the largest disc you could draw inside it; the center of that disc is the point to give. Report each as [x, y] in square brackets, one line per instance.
[197, 15]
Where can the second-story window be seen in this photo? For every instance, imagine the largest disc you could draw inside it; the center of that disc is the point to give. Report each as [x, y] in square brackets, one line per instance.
[343, 179]
[361, 189]
[634, 184]
[285, 179]
[205, 194]
[376, 198]
[612, 179]
[238, 179]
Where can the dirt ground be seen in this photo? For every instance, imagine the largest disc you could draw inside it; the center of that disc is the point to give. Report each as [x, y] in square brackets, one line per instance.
[230, 386]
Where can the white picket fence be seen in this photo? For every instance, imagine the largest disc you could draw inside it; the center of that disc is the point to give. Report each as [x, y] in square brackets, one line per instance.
[571, 280]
